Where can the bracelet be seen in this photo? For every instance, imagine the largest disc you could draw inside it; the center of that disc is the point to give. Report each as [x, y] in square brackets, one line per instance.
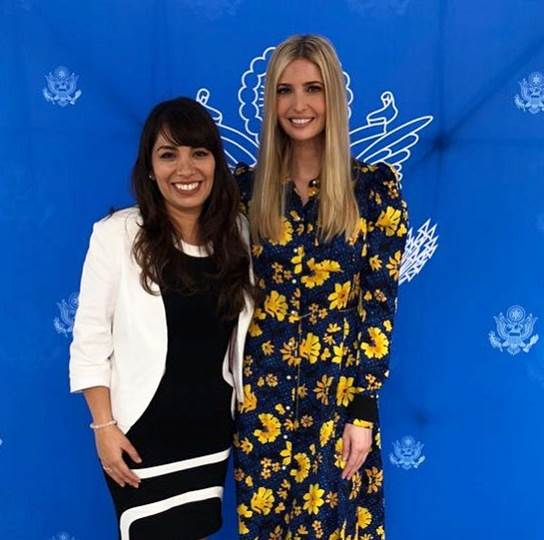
[94, 426]
[363, 423]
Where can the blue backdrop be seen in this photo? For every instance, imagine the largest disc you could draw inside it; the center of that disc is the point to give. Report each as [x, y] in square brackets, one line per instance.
[452, 92]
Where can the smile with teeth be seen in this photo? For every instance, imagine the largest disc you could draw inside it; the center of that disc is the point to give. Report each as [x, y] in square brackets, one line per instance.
[300, 121]
[184, 186]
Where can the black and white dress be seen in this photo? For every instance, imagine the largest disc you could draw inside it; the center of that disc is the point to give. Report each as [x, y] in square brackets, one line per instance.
[184, 436]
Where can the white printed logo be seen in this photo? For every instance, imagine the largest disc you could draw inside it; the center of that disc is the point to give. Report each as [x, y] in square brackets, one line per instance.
[531, 96]
[381, 137]
[61, 87]
[63, 536]
[515, 331]
[407, 453]
[64, 324]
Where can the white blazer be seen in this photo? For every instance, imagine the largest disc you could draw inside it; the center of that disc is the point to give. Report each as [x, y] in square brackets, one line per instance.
[120, 335]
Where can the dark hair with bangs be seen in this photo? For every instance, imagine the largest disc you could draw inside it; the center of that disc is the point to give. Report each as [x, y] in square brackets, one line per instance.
[185, 122]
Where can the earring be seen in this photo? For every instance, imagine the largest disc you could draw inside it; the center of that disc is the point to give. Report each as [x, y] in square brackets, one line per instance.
[151, 177]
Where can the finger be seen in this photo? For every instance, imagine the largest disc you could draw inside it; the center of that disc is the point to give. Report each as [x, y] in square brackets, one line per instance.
[127, 475]
[350, 464]
[111, 472]
[346, 447]
[132, 452]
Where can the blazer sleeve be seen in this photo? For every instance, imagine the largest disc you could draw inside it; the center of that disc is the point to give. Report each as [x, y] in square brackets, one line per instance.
[92, 344]
[386, 225]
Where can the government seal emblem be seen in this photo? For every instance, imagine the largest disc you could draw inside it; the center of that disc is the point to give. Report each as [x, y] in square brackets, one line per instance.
[515, 331]
[61, 87]
[380, 137]
[531, 96]
[64, 324]
[63, 536]
[407, 453]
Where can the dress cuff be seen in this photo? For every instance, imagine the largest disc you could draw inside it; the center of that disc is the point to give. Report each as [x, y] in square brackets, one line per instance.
[363, 410]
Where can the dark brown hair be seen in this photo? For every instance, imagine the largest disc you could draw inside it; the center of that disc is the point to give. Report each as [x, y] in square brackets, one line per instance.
[185, 122]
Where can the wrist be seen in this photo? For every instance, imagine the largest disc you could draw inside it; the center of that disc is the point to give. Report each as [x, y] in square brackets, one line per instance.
[96, 426]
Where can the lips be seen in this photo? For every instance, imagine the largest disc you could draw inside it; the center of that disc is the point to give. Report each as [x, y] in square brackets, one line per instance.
[300, 122]
[187, 187]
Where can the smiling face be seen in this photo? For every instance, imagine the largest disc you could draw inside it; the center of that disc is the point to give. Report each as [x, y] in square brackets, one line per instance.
[300, 101]
[184, 175]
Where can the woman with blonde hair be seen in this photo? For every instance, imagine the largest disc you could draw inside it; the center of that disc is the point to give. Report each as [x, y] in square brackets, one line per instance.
[328, 234]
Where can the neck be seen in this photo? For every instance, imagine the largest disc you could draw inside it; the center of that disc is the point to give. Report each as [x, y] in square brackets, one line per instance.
[186, 224]
[305, 160]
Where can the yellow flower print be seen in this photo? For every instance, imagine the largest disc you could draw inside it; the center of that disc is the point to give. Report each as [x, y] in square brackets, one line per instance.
[256, 249]
[249, 481]
[322, 389]
[335, 535]
[254, 329]
[244, 511]
[250, 400]
[314, 499]
[345, 391]
[389, 221]
[375, 262]
[267, 348]
[378, 346]
[262, 501]
[289, 352]
[297, 260]
[387, 325]
[271, 380]
[326, 432]
[375, 479]
[286, 233]
[271, 428]
[275, 304]
[339, 298]
[310, 347]
[286, 453]
[380, 532]
[338, 459]
[306, 421]
[332, 328]
[394, 265]
[277, 533]
[339, 353]
[364, 517]
[320, 272]
[303, 467]
[246, 446]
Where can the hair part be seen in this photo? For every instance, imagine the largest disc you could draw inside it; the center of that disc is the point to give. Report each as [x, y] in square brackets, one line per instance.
[184, 122]
[338, 211]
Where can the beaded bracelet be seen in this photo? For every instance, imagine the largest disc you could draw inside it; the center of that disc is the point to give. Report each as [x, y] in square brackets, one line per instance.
[94, 426]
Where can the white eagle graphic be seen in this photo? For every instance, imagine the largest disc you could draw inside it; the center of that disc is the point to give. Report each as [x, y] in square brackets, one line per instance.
[380, 138]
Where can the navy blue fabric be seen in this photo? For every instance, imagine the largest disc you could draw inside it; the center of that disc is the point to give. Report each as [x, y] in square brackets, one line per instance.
[450, 91]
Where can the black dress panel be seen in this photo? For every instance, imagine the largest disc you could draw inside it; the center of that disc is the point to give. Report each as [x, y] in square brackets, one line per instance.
[184, 435]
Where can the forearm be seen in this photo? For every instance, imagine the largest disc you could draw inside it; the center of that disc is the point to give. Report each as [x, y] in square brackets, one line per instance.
[99, 403]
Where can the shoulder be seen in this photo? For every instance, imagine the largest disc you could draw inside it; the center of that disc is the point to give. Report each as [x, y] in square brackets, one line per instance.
[244, 176]
[118, 224]
[377, 185]
[243, 226]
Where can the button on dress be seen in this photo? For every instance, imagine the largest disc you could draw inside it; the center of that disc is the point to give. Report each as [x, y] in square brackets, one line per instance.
[316, 356]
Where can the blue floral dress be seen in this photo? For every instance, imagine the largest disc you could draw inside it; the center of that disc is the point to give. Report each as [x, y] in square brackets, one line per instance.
[316, 356]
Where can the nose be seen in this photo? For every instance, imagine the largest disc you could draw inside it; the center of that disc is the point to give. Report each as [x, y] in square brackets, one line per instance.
[184, 165]
[299, 102]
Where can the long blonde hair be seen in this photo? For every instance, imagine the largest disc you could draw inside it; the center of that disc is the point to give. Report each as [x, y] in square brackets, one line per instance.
[338, 210]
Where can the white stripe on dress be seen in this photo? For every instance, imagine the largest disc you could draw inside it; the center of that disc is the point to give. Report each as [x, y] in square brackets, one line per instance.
[159, 470]
[128, 517]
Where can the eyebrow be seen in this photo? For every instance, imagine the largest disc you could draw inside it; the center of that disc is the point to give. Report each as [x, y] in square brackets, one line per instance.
[305, 84]
[166, 147]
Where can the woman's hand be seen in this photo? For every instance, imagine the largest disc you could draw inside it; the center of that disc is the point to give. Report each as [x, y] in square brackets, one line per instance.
[357, 443]
[110, 444]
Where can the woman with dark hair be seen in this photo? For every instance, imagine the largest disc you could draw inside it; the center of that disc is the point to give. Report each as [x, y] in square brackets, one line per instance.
[164, 305]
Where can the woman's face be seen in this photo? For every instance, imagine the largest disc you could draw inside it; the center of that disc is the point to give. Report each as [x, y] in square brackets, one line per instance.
[183, 174]
[301, 101]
